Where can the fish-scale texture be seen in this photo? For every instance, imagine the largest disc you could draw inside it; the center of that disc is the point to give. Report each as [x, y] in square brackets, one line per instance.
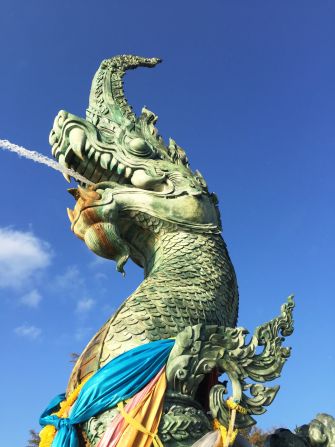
[192, 282]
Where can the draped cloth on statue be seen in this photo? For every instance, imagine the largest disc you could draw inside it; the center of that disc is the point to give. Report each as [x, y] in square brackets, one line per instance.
[212, 439]
[144, 409]
[117, 381]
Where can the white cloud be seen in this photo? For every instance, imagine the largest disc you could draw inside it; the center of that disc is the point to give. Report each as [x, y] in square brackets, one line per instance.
[22, 256]
[31, 299]
[26, 331]
[84, 305]
[71, 280]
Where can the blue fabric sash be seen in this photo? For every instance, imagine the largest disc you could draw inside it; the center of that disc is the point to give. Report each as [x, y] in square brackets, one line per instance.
[118, 380]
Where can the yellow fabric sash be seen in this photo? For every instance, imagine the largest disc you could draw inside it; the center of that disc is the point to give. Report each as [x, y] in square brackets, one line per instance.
[134, 423]
[228, 436]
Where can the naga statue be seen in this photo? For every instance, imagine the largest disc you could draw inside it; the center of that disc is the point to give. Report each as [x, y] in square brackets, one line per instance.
[142, 201]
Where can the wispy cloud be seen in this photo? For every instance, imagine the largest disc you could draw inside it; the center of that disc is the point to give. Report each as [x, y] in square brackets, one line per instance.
[84, 305]
[72, 284]
[22, 256]
[100, 276]
[97, 262]
[71, 280]
[28, 331]
[31, 299]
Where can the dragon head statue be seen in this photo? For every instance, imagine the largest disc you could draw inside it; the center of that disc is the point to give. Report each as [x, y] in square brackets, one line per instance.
[128, 167]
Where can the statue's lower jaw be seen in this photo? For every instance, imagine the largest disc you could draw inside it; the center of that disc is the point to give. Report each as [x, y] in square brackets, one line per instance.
[104, 240]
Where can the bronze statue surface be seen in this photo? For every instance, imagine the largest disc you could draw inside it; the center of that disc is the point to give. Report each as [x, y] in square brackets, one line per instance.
[148, 205]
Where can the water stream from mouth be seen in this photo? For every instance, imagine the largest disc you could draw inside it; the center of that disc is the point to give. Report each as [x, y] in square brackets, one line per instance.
[39, 158]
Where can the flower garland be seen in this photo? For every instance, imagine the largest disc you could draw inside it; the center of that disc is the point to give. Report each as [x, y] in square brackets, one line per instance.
[48, 433]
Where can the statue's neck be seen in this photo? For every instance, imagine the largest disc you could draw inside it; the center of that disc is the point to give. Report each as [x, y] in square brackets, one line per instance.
[183, 254]
[178, 256]
[191, 268]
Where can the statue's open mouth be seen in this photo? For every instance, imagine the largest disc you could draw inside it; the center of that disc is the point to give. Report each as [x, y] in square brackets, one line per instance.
[76, 145]
[72, 149]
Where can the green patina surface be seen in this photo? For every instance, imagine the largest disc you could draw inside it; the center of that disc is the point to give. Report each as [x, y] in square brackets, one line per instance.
[148, 205]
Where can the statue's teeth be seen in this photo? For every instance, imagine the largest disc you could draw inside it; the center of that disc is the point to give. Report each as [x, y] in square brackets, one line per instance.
[120, 169]
[77, 140]
[53, 150]
[105, 160]
[112, 164]
[61, 161]
[70, 213]
[96, 156]
[68, 155]
[91, 152]
[128, 172]
[67, 177]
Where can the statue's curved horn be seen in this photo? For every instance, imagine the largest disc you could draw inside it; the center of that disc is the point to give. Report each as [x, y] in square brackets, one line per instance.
[107, 96]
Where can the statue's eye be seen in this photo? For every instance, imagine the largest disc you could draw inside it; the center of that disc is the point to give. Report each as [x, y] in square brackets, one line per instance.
[140, 148]
[105, 130]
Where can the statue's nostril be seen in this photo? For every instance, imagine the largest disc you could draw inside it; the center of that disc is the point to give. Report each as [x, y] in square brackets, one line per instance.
[60, 121]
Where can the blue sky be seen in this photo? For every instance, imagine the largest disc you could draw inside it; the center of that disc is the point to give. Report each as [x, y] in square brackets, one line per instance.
[247, 88]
